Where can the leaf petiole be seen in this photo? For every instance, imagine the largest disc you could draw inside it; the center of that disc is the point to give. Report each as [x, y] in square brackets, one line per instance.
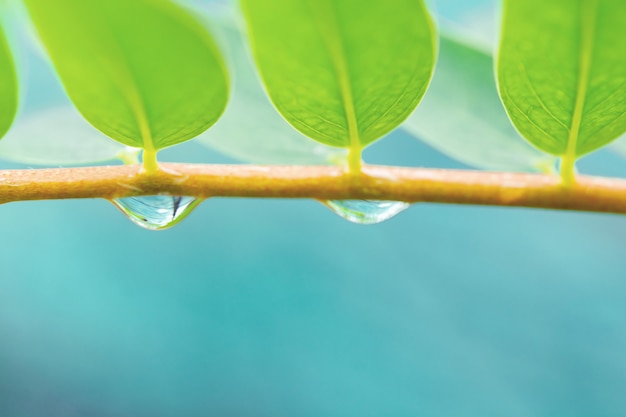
[150, 163]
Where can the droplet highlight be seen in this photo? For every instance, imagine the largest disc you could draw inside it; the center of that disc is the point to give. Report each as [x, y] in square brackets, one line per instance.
[366, 211]
[156, 212]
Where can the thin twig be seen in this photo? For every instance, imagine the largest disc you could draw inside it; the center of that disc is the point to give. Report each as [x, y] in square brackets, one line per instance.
[319, 182]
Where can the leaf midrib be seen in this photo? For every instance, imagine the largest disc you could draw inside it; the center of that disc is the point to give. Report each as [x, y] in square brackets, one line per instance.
[128, 86]
[588, 13]
[331, 36]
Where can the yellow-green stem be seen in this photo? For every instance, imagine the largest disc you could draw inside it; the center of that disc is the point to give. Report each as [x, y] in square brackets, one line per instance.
[150, 163]
[568, 169]
[354, 160]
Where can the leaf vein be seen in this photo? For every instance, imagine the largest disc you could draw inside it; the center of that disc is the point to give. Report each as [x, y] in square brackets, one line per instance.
[543, 105]
[531, 121]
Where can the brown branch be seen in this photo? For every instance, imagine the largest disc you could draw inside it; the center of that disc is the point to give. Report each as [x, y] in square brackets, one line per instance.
[322, 183]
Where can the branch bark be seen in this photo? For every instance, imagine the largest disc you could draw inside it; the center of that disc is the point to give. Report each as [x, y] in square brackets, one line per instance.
[412, 185]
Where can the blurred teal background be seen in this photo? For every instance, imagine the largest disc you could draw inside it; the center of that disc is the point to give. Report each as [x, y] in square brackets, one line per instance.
[280, 308]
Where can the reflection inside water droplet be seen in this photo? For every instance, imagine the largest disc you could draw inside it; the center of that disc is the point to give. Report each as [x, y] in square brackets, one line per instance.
[366, 211]
[156, 212]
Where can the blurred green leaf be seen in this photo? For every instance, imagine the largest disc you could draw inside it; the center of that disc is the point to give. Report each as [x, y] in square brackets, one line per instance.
[251, 129]
[462, 116]
[562, 72]
[57, 136]
[343, 72]
[619, 146]
[144, 72]
[8, 86]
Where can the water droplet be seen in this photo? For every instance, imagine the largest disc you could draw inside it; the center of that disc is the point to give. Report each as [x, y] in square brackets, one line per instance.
[366, 211]
[156, 212]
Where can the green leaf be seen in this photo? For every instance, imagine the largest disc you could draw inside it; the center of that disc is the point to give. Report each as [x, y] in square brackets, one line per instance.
[343, 72]
[619, 146]
[251, 129]
[562, 73]
[8, 86]
[461, 114]
[144, 72]
[57, 136]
